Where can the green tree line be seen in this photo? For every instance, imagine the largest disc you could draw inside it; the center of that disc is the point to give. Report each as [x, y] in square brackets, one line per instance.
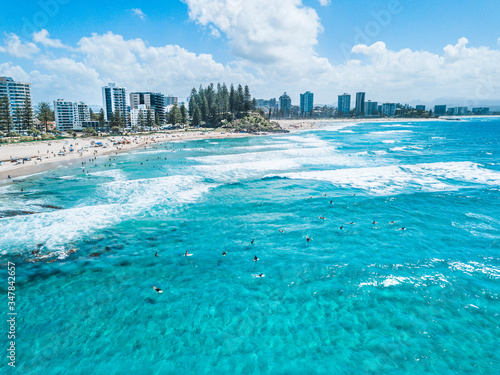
[210, 106]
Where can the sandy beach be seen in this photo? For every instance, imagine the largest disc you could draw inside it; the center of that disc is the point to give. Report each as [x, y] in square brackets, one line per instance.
[45, 155]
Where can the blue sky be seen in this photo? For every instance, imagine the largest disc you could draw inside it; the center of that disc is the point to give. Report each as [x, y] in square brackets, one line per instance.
[272, 45]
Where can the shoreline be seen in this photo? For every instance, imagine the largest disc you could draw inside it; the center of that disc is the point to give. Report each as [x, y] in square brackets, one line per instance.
[48, 150]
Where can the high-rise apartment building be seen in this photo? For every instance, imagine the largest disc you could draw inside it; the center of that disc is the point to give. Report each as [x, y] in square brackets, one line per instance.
[114, 101]
[344, 104]
[18, 93]
[285, 104]
[153, 101]
[439, 110]
[371, 108]
[360, 103]
[306, 103]
[64, 113]
[69, 115]
[389, 109]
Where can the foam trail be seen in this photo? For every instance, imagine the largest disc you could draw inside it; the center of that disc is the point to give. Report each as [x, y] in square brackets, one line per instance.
[122, 200]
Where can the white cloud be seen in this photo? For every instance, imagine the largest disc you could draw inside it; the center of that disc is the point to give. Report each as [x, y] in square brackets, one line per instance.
[325, 2]
[15, 47]
[498, 41]
[138, 12]
[214, 32]
[42, 37]
[261, 31]
[385, 74]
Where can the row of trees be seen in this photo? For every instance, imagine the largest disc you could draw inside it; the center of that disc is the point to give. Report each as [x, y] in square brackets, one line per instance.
[212, 106]
[22, 118]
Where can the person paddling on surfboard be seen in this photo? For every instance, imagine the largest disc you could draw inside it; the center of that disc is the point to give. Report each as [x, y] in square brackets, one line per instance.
[158, 290]
[255, 259]
[187, 254]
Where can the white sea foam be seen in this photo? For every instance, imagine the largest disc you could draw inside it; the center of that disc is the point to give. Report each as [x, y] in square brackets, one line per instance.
[388, 141]
[393, 179]
[398, 126]
[472, 268]
[123, 200]
[116, 174]
[240, 171]
[385, 132]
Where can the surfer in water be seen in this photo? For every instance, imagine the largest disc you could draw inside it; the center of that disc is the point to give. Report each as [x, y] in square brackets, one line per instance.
[308, 239]
[158, 290]
[392, 222]
[403, 228]
[224, 253]
[341, 227]
[260, 275]
[187, 254]
[156, 254]
[282, 231]
[374, 222]
[252, 241]
[255, 259]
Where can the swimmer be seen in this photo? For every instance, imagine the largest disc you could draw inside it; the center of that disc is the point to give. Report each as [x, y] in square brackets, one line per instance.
[158, 290]
[322, 217]
[156, 254]
[374, 222]
[351, 223]
[224, 253]
[392, 222]
[255, 259]
[341, 227]
[22, 189]
[281, 231]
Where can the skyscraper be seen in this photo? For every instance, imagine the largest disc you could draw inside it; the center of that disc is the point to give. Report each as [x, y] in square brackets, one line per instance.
[285, 104]
[389, 109]
[306, 103]
[371, 108]
[439, 110]
[114, 101]
[18, 94]
[360, 103]
[344, 105]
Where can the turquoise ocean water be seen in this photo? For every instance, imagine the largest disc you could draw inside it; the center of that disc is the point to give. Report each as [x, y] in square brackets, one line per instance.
[364, 299]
